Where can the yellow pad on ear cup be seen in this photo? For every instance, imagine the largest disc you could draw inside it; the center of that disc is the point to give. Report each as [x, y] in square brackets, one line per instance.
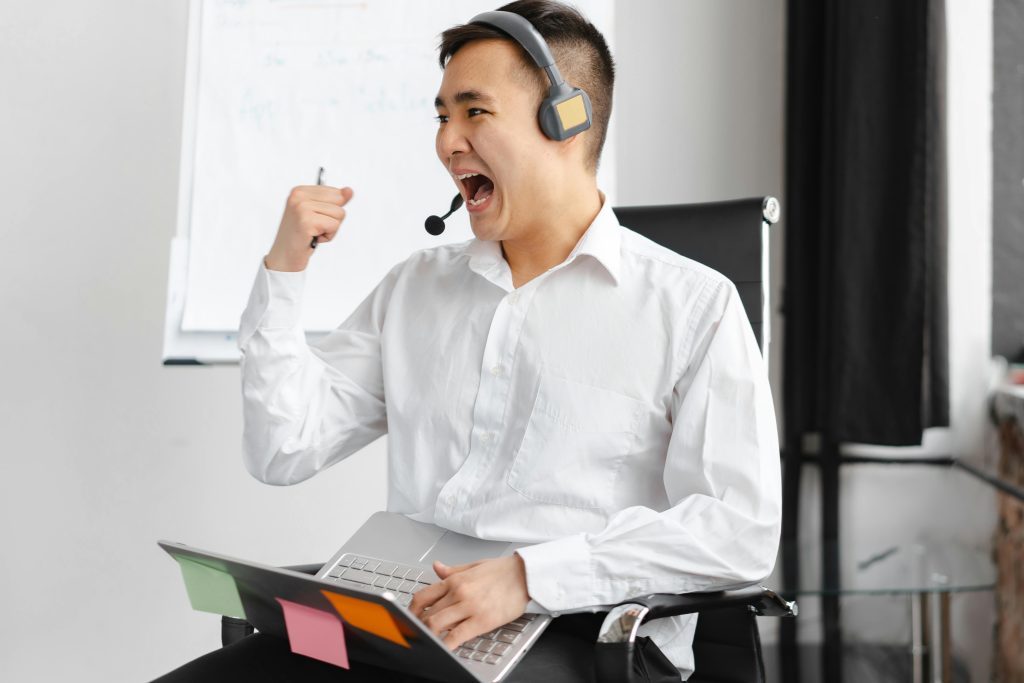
[572, 112]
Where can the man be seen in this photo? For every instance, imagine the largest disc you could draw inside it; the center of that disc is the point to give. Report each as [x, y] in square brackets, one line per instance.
[558, 380]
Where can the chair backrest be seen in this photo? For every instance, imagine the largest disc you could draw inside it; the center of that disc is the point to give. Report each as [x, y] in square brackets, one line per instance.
[730, 237]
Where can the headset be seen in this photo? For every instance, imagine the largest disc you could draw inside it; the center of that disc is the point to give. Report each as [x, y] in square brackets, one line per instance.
[566, 110]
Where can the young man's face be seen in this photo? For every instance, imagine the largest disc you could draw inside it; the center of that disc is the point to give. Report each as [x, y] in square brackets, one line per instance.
[489, 126]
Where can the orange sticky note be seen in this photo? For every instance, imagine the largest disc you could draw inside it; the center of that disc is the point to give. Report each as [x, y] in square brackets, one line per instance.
[315, 633]
[367, 616]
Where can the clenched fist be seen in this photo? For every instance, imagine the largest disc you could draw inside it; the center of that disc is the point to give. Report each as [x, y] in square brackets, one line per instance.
[311, 211]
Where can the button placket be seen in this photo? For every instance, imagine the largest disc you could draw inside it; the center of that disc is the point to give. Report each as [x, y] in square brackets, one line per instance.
[502, 380]
[493, 392]
[503, 338]
[488, 409]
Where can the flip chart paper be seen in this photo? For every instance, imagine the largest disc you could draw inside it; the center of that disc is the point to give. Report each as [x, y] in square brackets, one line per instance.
[367, 616]
[315, 633]
[210, 589]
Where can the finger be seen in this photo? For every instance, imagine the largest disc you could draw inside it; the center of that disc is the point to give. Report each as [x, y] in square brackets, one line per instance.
[326, 208]
[463, 631]
[304, 193]
[330, 233]
[447, 600]
[427, 597]
[447, 618]
[325, 230]
[449, 570]
[339, 196]
[325, 226]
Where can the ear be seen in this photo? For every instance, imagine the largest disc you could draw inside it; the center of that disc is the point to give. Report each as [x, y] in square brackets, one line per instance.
[575, 147]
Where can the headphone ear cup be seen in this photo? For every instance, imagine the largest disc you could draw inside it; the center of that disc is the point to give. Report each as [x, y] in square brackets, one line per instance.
[566, 114]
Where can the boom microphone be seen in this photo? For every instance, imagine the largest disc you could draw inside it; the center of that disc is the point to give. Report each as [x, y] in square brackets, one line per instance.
[435, 224]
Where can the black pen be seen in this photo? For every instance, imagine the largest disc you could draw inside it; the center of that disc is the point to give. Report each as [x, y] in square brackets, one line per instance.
[319, 181]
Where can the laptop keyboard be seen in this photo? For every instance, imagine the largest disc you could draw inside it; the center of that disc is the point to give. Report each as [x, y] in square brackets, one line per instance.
[378, 576]
[404, 581]
[490, 647]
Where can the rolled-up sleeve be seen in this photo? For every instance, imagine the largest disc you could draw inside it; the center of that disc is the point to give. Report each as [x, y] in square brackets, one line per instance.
[721, 476]
[308, 406]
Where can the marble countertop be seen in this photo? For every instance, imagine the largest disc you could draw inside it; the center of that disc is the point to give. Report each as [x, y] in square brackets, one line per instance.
[1008, 402]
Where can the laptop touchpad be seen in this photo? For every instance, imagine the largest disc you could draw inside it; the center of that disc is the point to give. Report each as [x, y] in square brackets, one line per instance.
[454, 548]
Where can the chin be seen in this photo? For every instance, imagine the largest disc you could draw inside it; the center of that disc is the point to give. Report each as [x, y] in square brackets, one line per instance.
[488, 227]
[484, 232]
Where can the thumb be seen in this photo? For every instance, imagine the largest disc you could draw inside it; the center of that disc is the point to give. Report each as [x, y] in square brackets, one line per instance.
[346, 194]
[441, 569]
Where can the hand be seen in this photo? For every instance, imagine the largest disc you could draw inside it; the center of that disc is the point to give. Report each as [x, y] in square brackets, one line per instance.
[311, 210]
[473, 598]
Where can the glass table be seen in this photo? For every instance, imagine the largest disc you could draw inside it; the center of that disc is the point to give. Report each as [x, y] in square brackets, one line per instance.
[929, 572]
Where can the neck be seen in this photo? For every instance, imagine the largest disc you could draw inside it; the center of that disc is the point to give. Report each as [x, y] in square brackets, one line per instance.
[550, 241]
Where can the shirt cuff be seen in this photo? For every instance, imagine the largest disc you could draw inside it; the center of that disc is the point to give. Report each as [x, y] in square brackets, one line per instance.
[559, 573]
[274, 303]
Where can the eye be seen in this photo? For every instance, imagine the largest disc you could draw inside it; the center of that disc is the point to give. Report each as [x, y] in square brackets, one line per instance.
[473, 111]
[441, 118]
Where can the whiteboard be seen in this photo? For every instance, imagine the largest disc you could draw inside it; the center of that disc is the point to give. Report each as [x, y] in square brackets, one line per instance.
[276, 89]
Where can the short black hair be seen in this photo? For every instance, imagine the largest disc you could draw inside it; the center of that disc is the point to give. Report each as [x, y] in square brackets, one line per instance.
[580, 52]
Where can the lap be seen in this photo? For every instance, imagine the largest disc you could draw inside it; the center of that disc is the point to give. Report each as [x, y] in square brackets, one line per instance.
[263, 658]
[563, 654]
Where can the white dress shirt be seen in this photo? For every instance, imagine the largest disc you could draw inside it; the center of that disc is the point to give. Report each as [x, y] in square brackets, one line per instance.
[613, 412]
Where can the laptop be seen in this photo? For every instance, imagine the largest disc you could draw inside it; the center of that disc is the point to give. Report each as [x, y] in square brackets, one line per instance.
[384, 563]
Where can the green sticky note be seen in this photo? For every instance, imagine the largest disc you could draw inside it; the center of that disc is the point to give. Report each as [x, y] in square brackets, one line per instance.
[210, 590]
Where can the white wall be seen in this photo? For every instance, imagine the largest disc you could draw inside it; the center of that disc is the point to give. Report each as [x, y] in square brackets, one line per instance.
[107, 451]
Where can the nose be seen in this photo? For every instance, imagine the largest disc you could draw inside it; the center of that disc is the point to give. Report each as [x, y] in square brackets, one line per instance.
[451, 141]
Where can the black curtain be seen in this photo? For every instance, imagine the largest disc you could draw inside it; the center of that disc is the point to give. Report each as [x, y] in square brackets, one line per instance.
[865, 304]
[865, 299]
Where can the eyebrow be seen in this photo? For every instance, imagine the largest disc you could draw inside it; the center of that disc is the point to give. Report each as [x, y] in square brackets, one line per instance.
[465, 96]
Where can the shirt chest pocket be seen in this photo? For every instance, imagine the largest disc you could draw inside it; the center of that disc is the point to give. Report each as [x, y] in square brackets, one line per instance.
[577, 439]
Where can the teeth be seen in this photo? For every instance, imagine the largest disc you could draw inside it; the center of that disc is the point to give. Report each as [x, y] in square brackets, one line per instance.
[471, 201]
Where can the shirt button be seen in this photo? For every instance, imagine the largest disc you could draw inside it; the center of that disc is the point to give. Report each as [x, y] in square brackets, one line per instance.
[513, 298]
[497, 370]
[486, 437]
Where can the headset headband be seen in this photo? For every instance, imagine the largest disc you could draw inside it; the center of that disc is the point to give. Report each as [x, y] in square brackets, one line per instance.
[567, 110]
[523, 32]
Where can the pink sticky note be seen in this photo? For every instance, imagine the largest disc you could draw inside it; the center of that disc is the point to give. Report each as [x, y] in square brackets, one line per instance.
[314, 633]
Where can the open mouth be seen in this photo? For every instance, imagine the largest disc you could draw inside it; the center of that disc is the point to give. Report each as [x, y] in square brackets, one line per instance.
[478, 187]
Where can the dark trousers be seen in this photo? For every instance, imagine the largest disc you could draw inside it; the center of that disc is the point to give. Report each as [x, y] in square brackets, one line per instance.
[563, 653]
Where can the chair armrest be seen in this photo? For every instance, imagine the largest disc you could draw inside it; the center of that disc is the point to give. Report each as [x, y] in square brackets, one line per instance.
[617, 637]
[233, 629]
[764, 602]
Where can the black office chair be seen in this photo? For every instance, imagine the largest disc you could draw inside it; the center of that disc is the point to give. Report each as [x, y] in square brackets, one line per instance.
[732, 238]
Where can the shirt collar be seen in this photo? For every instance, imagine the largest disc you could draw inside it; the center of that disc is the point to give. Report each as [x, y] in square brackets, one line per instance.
[483, 254]
[602, 241]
